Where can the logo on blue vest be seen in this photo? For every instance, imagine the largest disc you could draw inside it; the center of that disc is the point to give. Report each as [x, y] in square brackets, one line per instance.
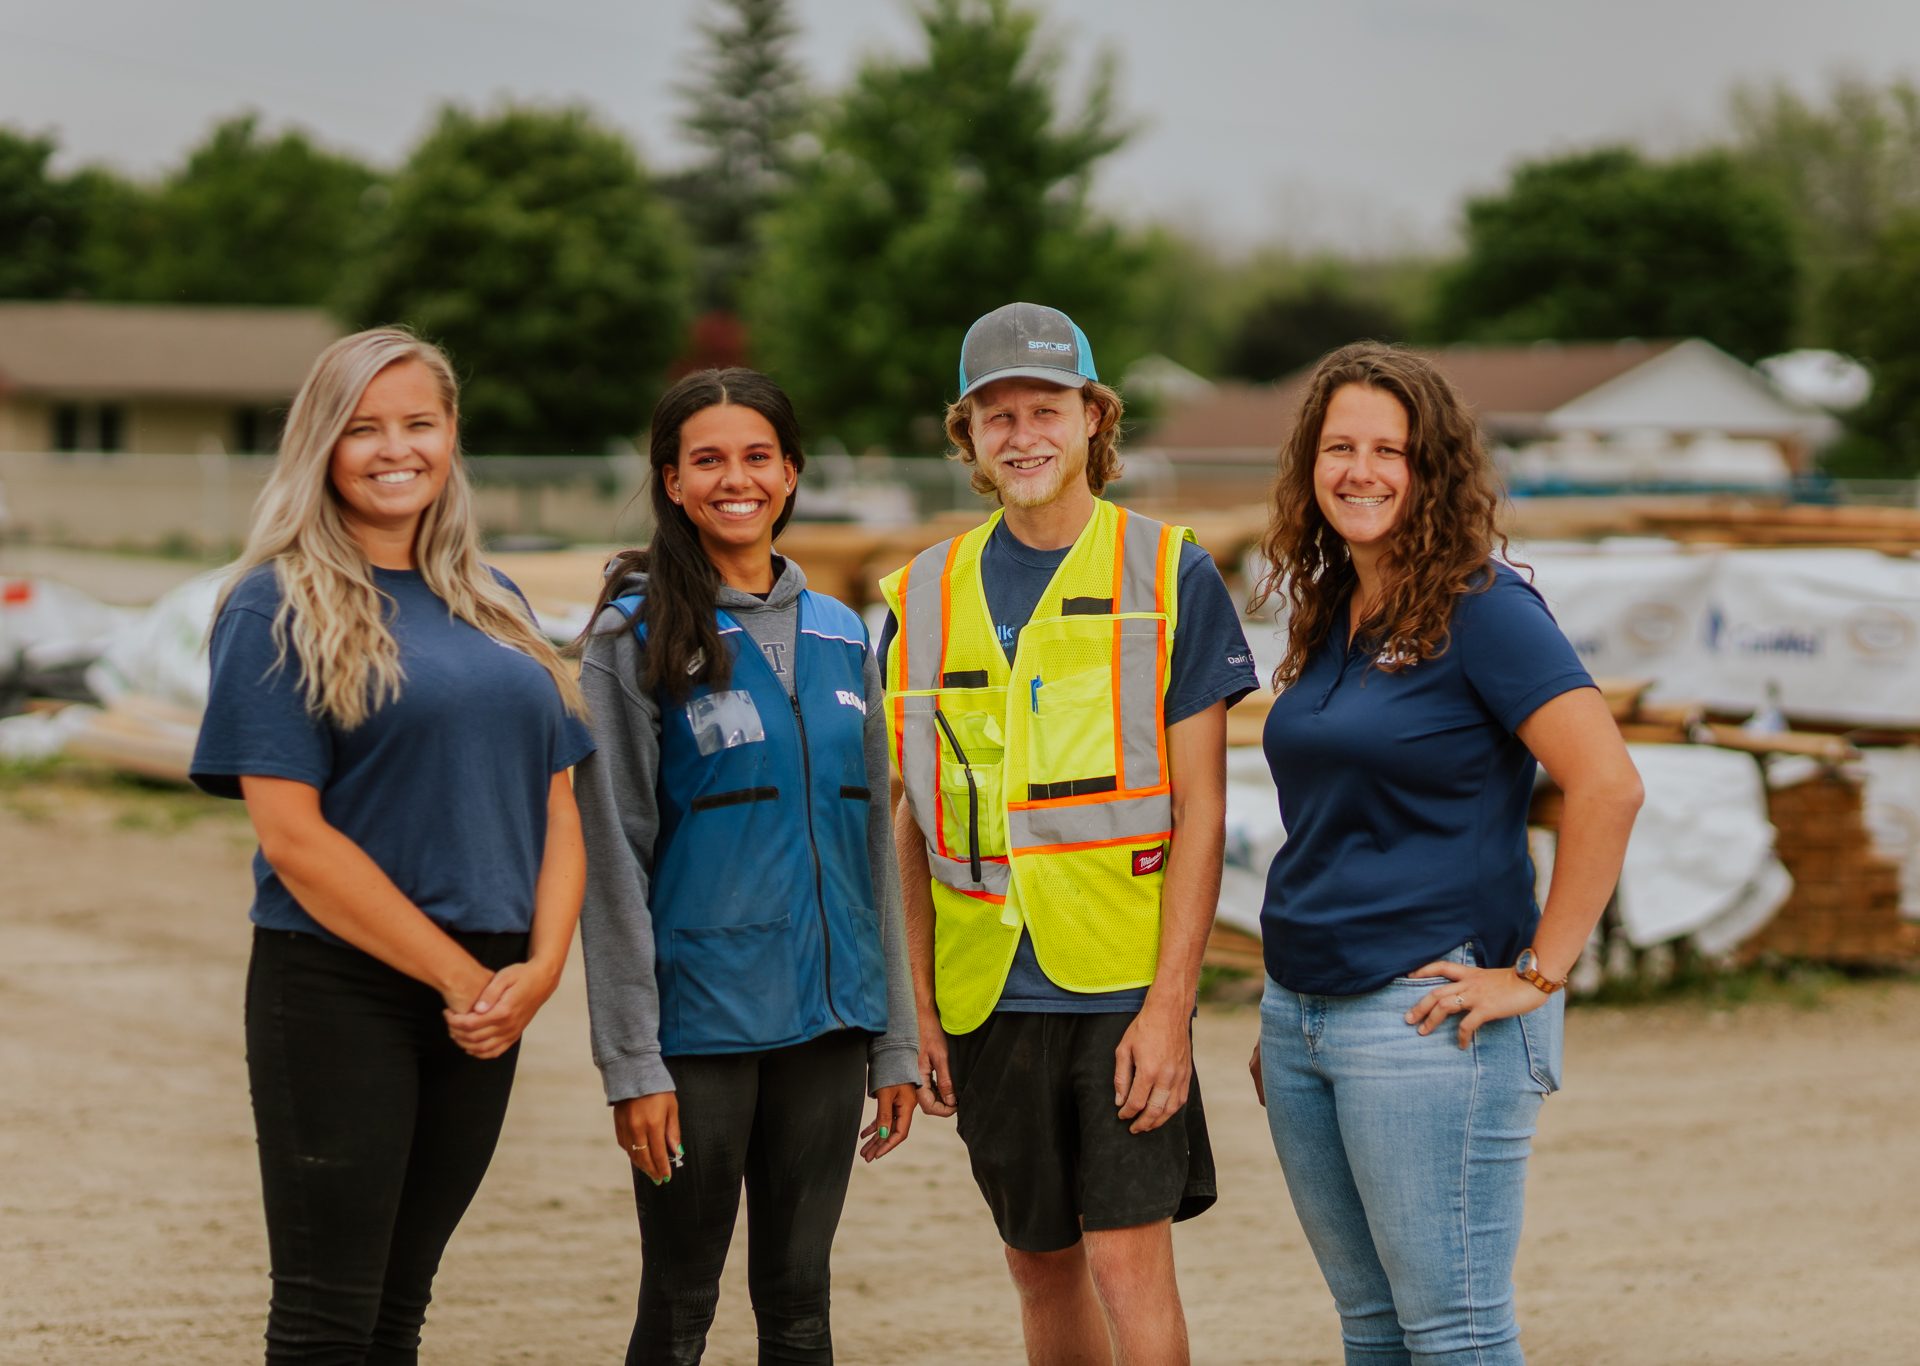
[851, 699]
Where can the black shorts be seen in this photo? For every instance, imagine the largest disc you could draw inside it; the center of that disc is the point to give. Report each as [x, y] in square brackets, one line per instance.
[1048, 1148]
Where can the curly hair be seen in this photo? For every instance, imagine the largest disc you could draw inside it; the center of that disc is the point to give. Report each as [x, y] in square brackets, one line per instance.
[1442, 547]
[1103, 447]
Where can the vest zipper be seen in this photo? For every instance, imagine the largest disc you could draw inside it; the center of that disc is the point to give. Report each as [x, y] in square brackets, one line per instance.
[973, 796]
[813, 848]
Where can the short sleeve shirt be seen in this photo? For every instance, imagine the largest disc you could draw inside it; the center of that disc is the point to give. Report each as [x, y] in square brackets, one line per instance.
[444, 788]
[1404, 795]
[1211, 663]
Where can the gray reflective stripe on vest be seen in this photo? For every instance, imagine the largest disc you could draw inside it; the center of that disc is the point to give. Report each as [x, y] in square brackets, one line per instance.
[957, 873]
[923, 628]
[921, 633]
[1139, 655]
[919, 762]
[1047, 825]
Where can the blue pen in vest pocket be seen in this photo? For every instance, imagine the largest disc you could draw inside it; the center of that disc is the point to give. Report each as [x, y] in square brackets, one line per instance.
[773, 789]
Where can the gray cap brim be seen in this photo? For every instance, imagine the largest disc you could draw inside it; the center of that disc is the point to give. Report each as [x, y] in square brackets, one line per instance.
[1046, 374]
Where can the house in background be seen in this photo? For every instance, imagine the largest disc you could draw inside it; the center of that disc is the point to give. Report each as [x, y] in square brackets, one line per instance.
[152, 379]
[1680, 413]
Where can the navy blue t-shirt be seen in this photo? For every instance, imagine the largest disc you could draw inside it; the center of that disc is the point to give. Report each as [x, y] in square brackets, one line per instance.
[1405, 795]
[445, 788]
[1210, 662]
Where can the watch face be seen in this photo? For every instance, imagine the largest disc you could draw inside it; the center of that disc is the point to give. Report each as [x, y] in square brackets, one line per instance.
[1527, 962]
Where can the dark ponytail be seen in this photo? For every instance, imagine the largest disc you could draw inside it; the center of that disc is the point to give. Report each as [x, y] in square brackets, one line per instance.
[684, 648]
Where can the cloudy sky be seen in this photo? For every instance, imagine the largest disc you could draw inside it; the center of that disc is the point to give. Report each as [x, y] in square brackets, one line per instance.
[1360, 123]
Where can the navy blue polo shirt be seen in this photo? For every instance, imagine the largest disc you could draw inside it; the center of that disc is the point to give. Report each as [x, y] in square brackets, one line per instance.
[1405, 797]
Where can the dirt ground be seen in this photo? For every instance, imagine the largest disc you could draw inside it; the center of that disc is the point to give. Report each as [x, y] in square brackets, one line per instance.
[1719, 1183]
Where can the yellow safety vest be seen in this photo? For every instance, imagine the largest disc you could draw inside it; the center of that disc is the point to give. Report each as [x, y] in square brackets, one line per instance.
[1041, 785]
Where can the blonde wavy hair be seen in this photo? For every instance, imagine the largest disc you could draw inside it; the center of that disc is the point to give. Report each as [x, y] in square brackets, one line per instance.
[1448, 536]
[1103, 447]
[333, 617]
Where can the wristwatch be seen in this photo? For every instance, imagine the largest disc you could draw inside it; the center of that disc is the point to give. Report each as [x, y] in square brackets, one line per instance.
[1527, 967]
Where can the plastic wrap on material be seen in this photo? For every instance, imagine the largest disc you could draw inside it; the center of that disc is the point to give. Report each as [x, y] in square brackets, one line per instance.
[1700, 861]
[162, 655]
[50, 633]
[1835, 633]
[1893, 816]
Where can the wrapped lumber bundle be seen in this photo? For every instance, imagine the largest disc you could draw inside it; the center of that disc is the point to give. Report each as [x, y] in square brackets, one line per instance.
[1845, 907]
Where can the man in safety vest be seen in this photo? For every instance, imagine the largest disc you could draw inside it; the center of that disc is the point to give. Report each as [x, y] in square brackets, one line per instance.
[1057, 686]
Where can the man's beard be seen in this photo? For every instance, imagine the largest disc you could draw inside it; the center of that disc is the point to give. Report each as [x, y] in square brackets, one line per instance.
[1028, 491]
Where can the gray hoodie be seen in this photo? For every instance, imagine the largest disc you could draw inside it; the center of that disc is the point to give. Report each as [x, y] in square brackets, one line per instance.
[620, 812]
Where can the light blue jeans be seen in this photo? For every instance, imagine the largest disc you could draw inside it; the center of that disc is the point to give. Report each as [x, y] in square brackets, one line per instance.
[1406, 1157]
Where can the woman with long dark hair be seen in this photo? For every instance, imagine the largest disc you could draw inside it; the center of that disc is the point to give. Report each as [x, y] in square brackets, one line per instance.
[401, 732]
[1412, 1018]
[746, 966]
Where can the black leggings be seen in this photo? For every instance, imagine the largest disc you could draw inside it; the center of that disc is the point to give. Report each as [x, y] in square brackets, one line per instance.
[375, 1130]
[786, 1122]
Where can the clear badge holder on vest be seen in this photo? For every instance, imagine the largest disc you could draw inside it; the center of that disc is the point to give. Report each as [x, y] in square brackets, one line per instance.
[724, 720]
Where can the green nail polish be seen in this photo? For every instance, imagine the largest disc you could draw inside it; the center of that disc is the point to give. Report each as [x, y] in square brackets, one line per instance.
[680, 1149]
[884, 1131]
[654, 1179]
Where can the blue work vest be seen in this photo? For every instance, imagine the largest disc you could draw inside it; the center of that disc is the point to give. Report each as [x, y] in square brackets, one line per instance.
[764, 927]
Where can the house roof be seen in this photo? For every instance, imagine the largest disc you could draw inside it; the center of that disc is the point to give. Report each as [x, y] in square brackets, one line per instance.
[183, 351]
[1509, 386]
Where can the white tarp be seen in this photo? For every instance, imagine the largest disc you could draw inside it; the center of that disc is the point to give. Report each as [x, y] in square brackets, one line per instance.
[161, 654]
[1700, 861]
[1836, 632]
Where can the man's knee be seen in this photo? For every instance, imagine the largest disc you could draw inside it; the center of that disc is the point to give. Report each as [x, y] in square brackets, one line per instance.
[1129, 1264]
[1047, 1275]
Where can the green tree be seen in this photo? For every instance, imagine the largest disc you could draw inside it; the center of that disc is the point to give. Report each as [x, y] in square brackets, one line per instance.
[248, 219]
[946, 184]
[1846, 167]
[1872, 301]
[746, 105]
[531, 244]
[1605, 244]
[42, 222]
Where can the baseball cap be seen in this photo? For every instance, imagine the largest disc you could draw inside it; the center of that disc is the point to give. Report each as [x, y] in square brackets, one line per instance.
[1025, 341]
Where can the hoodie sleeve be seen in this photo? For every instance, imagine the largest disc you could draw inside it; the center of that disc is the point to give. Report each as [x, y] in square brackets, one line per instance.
[620, 817]
[894, 1057]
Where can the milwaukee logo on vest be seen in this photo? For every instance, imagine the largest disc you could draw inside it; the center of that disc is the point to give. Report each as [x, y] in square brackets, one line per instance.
[1148, 860]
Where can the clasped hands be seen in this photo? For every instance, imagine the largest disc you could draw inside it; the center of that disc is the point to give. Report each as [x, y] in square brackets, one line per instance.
[499, 1013]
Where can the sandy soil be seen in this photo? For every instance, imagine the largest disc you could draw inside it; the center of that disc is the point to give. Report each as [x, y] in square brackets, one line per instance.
[1718, 1184]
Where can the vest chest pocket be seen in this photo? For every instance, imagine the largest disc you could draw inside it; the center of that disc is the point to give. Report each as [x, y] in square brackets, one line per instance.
[1070, 734]
[724, 720]
[972, 753]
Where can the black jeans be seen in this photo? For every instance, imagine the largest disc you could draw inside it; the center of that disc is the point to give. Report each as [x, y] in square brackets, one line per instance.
[374, 1129]
[786, 1122]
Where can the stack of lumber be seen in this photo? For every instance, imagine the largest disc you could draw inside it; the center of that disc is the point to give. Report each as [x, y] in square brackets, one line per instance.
[1893, 530]
[139, 735]
[1845, 907]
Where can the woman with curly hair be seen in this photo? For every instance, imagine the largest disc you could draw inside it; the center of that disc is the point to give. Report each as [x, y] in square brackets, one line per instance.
[1411, 1023]
[401, 733]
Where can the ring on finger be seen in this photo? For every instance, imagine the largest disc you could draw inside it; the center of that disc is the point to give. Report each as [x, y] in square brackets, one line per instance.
[1460, 1003]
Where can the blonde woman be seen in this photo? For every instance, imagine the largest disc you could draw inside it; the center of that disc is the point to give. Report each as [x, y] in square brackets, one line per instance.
[401, 733]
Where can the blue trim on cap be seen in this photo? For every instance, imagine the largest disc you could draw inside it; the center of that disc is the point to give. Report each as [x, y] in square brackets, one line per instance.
[963, 348]
[1085, 366]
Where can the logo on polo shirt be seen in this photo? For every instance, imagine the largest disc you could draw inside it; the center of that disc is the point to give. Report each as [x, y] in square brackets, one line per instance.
[1149, 860]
